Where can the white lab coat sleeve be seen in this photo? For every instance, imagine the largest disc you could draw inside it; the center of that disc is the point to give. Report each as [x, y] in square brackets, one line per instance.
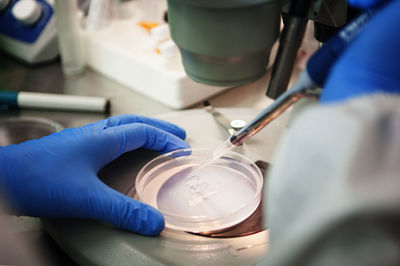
[333, 192]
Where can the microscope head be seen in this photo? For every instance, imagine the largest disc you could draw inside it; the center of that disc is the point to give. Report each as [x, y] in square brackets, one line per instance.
[224, 42]
[228, 42]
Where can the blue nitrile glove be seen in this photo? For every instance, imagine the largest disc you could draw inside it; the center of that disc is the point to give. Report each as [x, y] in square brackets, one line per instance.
[56, 176]
[365, 3]
[371, 62]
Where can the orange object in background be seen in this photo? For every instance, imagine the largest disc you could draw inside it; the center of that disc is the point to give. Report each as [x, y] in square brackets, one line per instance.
[148, 25]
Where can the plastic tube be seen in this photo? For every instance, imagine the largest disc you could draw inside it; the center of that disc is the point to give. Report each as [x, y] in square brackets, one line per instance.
[70, 37]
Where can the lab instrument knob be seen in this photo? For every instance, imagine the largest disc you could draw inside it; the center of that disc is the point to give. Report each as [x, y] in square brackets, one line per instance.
[27, 12]
[3, 4]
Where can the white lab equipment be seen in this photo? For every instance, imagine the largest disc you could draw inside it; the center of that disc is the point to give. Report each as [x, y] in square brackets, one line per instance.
[70, 37]
[28, 30]
[27, 12]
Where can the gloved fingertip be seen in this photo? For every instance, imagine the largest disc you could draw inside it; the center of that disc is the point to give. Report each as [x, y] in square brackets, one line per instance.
[180, 133]
[141, 218]
[155, 223]
[176, 145]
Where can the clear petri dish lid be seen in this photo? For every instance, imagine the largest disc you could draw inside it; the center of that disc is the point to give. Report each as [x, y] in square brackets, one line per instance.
[20, 129]
[220, 195]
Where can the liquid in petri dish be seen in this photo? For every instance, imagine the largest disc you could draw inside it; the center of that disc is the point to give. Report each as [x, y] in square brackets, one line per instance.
[215, 191]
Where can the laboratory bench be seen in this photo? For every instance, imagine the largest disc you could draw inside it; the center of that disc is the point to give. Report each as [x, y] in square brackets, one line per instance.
[48, 78]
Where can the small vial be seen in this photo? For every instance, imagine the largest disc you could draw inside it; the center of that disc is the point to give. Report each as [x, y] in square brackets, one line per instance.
[70, 37]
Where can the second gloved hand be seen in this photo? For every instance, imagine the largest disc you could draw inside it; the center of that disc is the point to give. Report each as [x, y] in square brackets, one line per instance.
[370, 63]
[56, 176]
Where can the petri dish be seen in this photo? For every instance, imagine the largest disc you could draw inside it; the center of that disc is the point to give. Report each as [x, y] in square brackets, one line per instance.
[218, 196]
[19, 129]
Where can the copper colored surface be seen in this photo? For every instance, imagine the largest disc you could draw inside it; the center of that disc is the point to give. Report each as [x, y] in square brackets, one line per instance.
[252, 225]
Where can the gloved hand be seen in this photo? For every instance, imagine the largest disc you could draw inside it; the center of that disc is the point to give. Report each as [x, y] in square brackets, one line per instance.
[56, 176]
[365, 3]
[370, 64]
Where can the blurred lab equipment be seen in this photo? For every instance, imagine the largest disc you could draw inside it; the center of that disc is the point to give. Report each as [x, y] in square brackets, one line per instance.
[28, 30]
[101, 13]
[136, 50]
[70, 37]
[35, 100]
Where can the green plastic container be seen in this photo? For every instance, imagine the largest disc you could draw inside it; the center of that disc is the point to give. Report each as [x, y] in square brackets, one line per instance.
[224, 42]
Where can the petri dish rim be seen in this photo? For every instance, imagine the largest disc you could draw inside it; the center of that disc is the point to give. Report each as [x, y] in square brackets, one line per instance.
[188, 151]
